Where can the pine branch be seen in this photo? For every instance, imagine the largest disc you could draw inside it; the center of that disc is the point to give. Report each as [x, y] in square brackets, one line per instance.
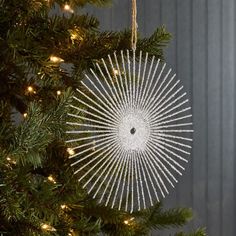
[156, 218]
[199, 232]
[31, 137]
[155, 43]
[82, 3]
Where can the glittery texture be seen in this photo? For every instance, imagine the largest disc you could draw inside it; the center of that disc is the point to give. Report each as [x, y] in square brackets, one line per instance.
[133, 131]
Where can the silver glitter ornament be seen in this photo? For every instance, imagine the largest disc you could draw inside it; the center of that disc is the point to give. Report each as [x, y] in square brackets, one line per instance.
[133, 131]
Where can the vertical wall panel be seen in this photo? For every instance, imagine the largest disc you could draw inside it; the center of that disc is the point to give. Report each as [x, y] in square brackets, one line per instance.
[199, 158]
[120, 18]
[152, 15]
[228, 104]
[104, 15]
[214, 118]
[202, 52]
[168, 17]
[141, 15]
[234, 181]
[184, 73]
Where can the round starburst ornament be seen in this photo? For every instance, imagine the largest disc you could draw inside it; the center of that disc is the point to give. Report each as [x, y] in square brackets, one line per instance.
[130, 131]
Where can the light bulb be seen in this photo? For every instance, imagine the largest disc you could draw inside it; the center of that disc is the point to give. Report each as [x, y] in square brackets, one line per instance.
[73, 36]
[68, 8]
[70, 151]
[51, 179]
[58, 92]
[116, 72]
[127, 222]
[47, 227]
[63, 207]
[76, 35]
[71, 232]
[25, 115]
[30, 89]
[55, 59]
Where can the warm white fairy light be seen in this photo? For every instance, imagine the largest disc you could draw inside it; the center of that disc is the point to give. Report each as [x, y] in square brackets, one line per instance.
[133, 133]
[71, 233]
[25, 115]
[116, 72]
[58, 92]
[63, 207]
[56, 59]
[73, 36]
[68, 8]
[70, 151]
[129, 221]
[51, 179]
[47, 227]
[76, 35]
[30, 89]
[126, 222]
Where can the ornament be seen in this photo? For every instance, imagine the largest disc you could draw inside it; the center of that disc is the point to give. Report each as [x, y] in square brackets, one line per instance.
[132, 124]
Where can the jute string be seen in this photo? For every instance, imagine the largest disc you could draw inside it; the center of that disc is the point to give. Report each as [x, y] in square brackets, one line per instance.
[134, 25]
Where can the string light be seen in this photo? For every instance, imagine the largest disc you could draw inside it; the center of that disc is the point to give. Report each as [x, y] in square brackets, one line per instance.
[51, 179]
[63, 207]
[55, 59]
[76, 35]
[10, 160]
[58, 92]
[68, 8]
[48, 227]
[25, 115]
[71, 232]
[44, 226]
[70, 151]
[30, 89]
[73, 36]
[128, 222]
[116, 72]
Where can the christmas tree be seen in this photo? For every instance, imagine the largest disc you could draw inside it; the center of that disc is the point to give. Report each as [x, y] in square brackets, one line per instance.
[43, 59]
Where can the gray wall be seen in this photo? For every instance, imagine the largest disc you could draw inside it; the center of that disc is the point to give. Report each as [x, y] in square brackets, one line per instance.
[203, 54]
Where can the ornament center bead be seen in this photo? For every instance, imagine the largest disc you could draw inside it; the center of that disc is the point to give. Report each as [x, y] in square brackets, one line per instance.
[133, 130]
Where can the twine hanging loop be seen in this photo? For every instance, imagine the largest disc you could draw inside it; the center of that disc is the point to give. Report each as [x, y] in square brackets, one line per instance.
[134, 25]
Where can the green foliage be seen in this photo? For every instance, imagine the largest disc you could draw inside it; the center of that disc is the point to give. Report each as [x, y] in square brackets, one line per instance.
[156, 42]
[82, 3]
[37, 184]
[156, 218]
[199, 232]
